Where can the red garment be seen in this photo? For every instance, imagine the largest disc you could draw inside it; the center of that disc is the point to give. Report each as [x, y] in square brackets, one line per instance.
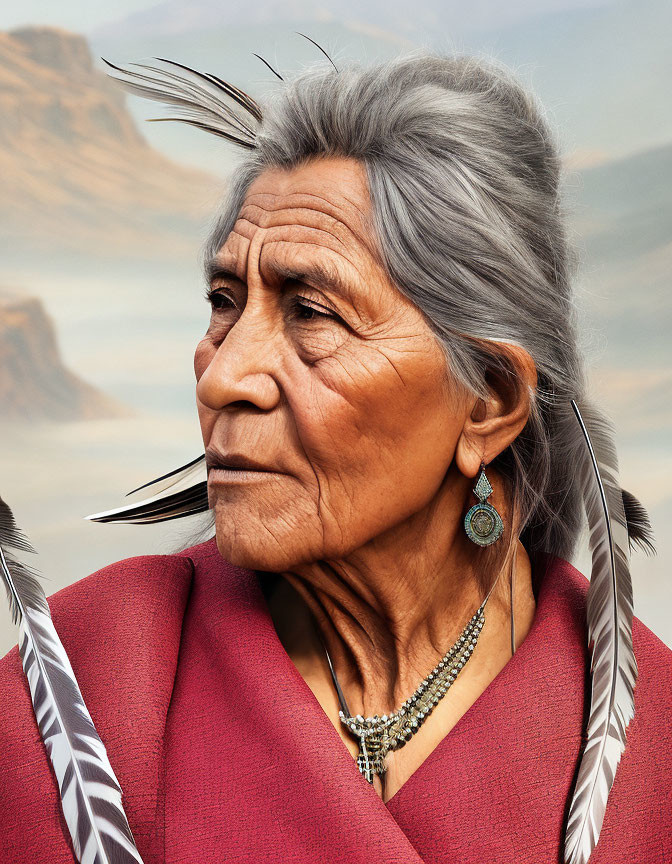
[224, 754]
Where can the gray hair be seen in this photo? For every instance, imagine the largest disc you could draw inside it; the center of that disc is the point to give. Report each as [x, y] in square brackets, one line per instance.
[464, 180]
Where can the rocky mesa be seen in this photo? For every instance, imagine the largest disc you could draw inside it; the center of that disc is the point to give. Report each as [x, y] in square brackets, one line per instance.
[76, 173]
[34, 382]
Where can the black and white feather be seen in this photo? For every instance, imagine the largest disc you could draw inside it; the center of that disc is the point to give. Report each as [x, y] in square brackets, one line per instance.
[206, 101]
[184, 493]
[90, 793]
[609, 620]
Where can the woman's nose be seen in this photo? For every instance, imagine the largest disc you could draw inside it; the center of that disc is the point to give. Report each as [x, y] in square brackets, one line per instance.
[242, 368]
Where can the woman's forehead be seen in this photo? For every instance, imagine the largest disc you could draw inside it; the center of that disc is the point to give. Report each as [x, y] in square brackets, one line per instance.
[321, 191]
[317, 211]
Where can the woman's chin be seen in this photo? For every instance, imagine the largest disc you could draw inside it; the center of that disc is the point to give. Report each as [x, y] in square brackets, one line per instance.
[255, 544]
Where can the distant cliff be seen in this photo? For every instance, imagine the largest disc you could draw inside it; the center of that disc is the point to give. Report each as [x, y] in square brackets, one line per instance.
[34, 383]
[76, 173]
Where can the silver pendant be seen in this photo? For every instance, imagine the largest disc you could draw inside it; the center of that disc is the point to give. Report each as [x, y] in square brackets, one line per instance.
[371, 756]
[483, 523]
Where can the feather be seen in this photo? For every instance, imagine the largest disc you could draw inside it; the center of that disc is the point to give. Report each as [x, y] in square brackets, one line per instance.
[266, 63]
[90, 793]
[639, 524]
[182, 471]
[24, 589]
[317, 46]
[609, 619]
[200, 96]
[186, 498]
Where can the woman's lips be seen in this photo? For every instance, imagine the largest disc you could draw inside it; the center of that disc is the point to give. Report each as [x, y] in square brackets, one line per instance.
[235, 467]
[235, 461]
[221, 475]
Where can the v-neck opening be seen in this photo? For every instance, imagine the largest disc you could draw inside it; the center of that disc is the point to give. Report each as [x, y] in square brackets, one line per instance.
[323, 718]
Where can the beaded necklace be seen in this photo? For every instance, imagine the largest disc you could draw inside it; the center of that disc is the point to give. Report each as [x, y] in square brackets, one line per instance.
[378, 735]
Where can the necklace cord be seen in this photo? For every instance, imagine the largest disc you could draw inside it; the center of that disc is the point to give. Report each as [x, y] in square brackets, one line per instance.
[513, 576]
[341, 697]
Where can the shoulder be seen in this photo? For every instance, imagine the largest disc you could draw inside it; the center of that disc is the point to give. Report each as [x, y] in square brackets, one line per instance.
[642, 787]
[638, 813]
[116, 592]
[563, 600]
[124, 590]
[119, 613]
[566, 593]
[653, 656]
[649, 734]
[639, 804]
[653, 688]
[130, 594]
[120, 627]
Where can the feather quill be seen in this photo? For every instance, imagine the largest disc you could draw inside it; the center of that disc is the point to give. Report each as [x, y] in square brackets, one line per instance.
[609, 618]
[90, 793]
[267, 64]
[320, 48]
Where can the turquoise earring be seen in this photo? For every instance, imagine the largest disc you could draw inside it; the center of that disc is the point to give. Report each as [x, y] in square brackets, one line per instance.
[483, 523]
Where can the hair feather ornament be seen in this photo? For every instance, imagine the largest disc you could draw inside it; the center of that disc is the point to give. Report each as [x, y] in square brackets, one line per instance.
[206, 108]
[90, 793]
[615, 521]
[609, 617]
[199, 97]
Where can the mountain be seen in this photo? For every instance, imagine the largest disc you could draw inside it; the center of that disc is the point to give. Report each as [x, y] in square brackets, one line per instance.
[602, 72]
[175, 18]
[34, 383]
[387, 17]
[77, 174]
[621, 228]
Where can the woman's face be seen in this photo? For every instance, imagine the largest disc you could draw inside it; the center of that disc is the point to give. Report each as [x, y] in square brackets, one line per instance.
[318, 369]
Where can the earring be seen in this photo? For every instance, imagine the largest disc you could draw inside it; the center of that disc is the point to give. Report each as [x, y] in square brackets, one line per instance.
[483, 523]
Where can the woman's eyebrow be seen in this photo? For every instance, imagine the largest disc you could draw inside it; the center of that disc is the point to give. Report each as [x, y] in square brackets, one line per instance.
[316, 272]
[216, 270]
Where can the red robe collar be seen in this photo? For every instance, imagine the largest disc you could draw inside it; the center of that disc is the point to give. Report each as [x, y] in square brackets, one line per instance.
[254, 765]
[224, 754]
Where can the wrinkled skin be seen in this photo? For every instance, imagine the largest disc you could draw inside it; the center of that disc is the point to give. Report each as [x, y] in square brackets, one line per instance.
[344, 392]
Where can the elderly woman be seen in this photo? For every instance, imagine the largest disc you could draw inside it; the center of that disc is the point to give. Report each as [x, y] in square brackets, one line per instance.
[383, 653]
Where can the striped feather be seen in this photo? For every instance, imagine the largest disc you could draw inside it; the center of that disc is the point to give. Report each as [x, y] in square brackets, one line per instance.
[206, 101]
[609, 618]
[90, 793]
[185, 494]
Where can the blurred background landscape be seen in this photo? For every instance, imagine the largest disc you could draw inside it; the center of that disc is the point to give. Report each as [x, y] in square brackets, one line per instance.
[102, 217]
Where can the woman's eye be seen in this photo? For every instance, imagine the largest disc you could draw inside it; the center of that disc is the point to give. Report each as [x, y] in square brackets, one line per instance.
[218, 300]
[301, 308]
[305, 310]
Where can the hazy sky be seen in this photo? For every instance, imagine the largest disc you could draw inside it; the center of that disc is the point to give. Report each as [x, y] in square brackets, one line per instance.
[83, 15]
[78, 15]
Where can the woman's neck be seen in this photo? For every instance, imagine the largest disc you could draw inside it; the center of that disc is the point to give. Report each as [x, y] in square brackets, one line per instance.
[388, 612]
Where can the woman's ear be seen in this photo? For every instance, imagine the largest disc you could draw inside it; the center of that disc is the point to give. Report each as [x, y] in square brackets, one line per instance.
[493, 423]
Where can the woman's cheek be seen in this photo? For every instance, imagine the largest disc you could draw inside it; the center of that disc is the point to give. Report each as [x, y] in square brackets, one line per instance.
[319, 341]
